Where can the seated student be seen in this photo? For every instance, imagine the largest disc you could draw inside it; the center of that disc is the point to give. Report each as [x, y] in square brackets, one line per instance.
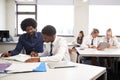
[91, 41]
[31, 41]
[56, 48]
[113, 43]
[77, 42]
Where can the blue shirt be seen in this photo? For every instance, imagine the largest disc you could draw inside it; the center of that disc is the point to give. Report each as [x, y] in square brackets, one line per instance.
[29, 44]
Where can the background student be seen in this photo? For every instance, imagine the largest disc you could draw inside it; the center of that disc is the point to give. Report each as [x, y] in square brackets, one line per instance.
[31, 41]
[77, 42]
[56, 48]
[91, 41]
[112, 43]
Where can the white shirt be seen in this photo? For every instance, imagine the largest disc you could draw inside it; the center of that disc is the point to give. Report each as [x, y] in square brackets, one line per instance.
[112, 41]
[59, 51]
[88, 39]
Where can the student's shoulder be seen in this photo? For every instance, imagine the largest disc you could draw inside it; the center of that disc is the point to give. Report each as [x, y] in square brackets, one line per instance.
[23, 35]
[38, 32]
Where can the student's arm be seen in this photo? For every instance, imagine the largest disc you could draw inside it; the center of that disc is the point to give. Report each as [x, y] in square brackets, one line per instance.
[6, 54]
[60, 51]
[18, 48]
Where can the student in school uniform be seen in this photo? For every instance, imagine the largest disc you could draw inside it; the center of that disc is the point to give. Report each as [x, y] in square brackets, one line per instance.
[31, 41]
[91, 41]
[77, 42]
[56, 48]
[112, 43]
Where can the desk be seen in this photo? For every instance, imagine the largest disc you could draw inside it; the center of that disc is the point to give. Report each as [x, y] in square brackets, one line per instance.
[97, 53]
[80, 72]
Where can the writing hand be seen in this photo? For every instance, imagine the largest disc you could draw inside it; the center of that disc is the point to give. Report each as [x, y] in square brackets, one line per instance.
[6, 54]
[33, 60]
[34, 54]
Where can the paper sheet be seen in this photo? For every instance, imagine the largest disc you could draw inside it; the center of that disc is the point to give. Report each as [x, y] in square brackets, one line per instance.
[22, 67]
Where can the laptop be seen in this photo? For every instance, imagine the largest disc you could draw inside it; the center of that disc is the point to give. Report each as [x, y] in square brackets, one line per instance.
[61, 64]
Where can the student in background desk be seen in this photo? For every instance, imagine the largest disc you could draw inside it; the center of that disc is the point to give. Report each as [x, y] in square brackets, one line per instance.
[31, 41]
[77, 42]
[56, 48]
[112, 43]
[91, 41]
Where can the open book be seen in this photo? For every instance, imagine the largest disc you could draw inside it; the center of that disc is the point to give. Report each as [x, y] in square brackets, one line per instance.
[20, 57]
[26, 67]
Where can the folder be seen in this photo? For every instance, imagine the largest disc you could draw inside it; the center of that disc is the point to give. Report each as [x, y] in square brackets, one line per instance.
[26, 67]
[40, 68]
[3, 66]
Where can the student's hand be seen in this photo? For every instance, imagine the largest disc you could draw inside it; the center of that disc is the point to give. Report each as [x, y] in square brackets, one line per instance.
[6, 54]
[91, 46]
[33, 60]
[101, 49]
[34, 54]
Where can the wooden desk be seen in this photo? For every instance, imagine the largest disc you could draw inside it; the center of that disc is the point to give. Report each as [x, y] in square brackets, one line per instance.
[80, 72]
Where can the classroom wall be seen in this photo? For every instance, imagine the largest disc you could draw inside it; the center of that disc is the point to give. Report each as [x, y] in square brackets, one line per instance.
[2, 14]
[80, 17]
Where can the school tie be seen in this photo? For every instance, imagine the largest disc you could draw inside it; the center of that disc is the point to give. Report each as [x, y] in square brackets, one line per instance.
[107, 41]
[92, 41]
[51, 46]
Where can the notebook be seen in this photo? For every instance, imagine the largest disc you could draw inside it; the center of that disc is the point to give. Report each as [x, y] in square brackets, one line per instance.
[62, 64]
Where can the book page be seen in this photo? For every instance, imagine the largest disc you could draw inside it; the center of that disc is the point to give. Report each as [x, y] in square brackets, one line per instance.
[20, 57]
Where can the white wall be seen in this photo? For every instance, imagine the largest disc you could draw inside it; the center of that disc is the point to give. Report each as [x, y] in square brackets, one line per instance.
[2, 14]
[81, 18]
[10, 17]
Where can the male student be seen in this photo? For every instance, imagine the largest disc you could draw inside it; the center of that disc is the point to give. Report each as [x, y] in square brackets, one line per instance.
[31, 41]
[56, 48]
[91, 41]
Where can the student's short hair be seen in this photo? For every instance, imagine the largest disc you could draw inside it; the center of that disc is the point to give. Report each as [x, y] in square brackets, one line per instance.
[95, 31]
[28, 22]
[49, 30]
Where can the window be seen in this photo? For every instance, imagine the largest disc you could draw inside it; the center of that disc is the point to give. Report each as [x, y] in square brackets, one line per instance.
[104, 17]
[60, 15]
[24, 11]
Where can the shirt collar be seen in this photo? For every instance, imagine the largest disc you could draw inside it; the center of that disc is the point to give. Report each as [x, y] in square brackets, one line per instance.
[53, 43]
[35, 35]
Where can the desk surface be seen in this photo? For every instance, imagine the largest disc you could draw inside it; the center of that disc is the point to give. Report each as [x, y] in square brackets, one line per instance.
[88, 52]
[80, 72]
[11, 42]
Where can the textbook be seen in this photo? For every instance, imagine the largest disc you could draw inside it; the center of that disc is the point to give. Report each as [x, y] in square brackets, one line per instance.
[26, 67]
[19, 57]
